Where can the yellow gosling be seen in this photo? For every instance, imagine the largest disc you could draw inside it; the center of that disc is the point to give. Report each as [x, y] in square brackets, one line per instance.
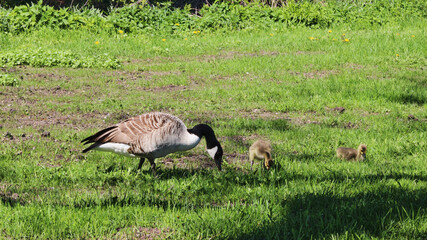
[352, 154]
[261, 150]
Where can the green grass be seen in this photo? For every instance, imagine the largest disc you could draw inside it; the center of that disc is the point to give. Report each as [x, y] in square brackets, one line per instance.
[247, 85]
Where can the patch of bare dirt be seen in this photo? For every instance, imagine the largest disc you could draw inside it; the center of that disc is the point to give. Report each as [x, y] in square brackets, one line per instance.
[316, 74]
[412, 118]
[14, 100]
[365, 113]
[308, 52]
[351, 125]
[9, 101]
[47, 163]
[238, 161]
[263, 114]
[301, 121]
[354, 66]
[4, 186]
[195, 161]
[119, 117]
[47, 119]
[244, 139]
[309, 117]
[236, 54]
[200, 161]
[135, 75]
[242, 202]
[10, 197]
[123, 78]
[221, 55]
[8, 70]
[55, 91]
[376, 77]
[42, 119]
[336, 109]
[204, 58]
[146, 233]
[17, 138]
[46, 76]
[57, 160]
[166, 88]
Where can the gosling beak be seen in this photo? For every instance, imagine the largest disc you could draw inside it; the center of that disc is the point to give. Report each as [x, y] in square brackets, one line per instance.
[269, 164]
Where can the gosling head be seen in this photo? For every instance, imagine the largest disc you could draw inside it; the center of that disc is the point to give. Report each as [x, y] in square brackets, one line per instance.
[269, 164]
[362, 151]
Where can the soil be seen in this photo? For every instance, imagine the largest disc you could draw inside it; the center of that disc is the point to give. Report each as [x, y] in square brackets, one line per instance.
[221, 55]
[146, 233]
[316, 74]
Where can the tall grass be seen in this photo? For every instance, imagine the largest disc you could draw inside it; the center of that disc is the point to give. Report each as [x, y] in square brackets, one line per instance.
[221, 16]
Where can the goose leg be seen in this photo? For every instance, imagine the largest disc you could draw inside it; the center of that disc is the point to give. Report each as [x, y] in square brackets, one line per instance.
[141, 161]
[153, 166]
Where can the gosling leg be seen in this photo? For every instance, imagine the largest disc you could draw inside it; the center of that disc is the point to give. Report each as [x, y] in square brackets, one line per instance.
[251, 158]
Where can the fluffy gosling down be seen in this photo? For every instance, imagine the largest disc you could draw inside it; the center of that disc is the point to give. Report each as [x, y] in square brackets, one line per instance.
[352, 154]
[261, 150]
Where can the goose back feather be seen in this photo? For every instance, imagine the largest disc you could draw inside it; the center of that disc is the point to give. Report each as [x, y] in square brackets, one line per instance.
[148, 135]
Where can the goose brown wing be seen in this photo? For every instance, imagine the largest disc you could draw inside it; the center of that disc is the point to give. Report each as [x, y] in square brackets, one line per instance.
[128, 131]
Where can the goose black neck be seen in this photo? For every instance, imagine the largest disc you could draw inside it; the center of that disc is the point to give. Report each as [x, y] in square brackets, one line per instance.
[203, 130]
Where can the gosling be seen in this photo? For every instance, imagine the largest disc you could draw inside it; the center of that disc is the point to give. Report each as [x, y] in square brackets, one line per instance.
[352, 154]
[261, 150]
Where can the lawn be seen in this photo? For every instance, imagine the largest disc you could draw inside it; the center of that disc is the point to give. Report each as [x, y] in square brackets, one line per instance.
[308, 91]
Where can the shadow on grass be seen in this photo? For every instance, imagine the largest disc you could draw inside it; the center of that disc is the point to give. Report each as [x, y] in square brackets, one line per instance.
[278, 176]
[408, 99]
[376, 214]
[143, 188]
[304, 157]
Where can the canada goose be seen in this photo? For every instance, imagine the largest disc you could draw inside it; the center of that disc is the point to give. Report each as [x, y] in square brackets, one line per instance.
[352, 154]
[153, 135]
[261, 150]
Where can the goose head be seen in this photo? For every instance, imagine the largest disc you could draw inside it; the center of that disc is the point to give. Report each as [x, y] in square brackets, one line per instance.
[214, 148]
[216, 154]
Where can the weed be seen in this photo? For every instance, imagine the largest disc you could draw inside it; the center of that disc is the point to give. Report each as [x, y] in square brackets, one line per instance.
[8, 80]
[43, 58]
[221, 16]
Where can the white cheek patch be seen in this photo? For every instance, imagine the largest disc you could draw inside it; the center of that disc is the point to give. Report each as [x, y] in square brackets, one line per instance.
[212, 152]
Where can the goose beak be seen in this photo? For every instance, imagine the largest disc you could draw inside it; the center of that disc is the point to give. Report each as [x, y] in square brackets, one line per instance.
[218, 162]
